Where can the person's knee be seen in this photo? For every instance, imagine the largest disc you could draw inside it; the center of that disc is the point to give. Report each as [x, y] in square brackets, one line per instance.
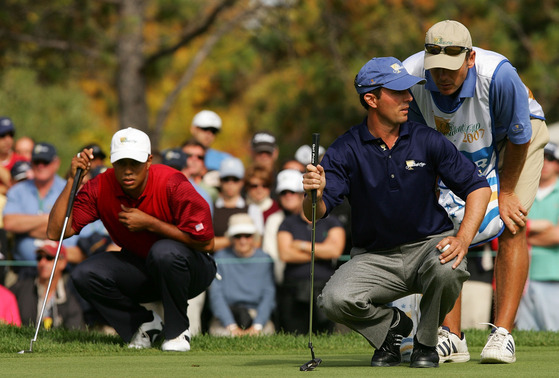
[82, 277]
[335, 304]
[164, 253]
[443, 274]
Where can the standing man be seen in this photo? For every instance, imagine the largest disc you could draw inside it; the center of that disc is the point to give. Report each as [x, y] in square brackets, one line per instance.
[205, 127]
[477, 100]
[165, 230]
[403, 240]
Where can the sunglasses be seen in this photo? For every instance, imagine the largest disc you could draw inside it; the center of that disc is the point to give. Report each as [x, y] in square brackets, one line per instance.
[48, 257]
[213, 130]
[9, 133]
[40, 162]
[549, 157]
[199, 157]
[284, 192]
[254, 186]
[230, 178]
[240, 236]
[448, 50]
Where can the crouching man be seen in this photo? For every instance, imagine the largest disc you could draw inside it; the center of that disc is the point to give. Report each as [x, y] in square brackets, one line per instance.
[403, 240]
[164, 228]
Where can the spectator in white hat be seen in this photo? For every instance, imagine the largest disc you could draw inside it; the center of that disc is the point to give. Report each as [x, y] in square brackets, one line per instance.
[231, 201]
[290, 193]
[243, 300]
[204, 128]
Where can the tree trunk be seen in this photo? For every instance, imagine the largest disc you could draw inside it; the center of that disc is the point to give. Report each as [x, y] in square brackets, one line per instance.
[130, 80]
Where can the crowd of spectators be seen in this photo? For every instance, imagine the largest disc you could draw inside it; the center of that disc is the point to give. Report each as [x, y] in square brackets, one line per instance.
[262, 244]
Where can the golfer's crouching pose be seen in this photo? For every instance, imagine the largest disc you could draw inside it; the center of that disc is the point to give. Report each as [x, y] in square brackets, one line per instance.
[165, 230]
[388, 169]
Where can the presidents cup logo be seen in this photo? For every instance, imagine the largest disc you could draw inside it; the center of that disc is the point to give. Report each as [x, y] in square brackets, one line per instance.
[411, 164]
[397, 68]
[443, 125]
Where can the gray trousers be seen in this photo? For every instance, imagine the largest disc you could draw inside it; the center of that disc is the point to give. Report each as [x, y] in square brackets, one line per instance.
[357, 293]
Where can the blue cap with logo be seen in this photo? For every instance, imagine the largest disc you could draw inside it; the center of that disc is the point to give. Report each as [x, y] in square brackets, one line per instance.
[174, 157]
[43, 152]
[384, 73]
[6, 126]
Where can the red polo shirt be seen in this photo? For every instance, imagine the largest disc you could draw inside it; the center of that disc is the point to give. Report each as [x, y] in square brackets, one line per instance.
[168, 196]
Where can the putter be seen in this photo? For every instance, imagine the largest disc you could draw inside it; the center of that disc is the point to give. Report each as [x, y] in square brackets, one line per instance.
[68, 211]
[314, 362]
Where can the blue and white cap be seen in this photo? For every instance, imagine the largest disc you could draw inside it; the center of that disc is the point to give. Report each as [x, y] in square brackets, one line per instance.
[384, 73]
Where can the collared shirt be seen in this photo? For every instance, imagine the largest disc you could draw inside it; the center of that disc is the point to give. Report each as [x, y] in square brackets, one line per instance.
[508, 101]
[392, 191]
[23, 198]
[168, 196]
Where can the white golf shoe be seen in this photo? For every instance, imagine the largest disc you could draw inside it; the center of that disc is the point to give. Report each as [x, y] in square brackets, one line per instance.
[500, 348]
[181, 343]
[451, 348]
[147, 333]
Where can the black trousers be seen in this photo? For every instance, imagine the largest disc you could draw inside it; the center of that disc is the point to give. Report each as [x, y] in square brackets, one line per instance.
[115, 283]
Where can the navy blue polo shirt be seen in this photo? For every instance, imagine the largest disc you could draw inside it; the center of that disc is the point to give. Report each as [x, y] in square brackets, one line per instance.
[392, 191]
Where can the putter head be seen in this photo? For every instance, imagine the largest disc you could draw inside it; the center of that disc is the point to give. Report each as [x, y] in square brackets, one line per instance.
[24, 351]
[311, 365]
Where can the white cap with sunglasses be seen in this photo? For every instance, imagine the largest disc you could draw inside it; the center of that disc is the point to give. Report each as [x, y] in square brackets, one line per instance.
[446, 45]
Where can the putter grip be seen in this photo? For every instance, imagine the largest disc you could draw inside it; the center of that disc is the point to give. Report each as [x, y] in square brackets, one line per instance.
[314, 157]
[73, 192]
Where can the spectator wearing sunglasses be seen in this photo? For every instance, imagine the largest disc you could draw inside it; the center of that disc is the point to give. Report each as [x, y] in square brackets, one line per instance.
[204, 128]
[7, 155]
[196, 168]
[231, 201]
[477, 100]
[62, 307]
[258, 188]
[243, 300]
[29, 203]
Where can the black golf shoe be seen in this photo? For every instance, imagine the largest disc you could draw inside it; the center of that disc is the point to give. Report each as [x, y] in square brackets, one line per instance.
[424, 356]
[389, 352]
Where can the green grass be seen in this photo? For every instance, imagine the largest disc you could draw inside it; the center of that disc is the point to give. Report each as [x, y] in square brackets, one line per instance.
[75, 353]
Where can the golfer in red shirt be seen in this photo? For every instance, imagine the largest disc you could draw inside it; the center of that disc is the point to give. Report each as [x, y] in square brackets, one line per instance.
[164, 228]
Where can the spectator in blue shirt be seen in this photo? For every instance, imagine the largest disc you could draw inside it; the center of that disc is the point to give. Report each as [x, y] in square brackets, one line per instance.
[403, 240]
[243, 300]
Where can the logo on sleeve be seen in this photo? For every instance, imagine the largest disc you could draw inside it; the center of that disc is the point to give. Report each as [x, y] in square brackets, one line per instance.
[199, 227]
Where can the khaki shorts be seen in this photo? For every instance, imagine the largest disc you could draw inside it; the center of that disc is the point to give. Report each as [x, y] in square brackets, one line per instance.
[529, 179]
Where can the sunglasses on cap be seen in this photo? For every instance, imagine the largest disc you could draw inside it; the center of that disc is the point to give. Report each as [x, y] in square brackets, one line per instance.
[213, 130]
[48, 257]
[448, 50]
[240, 236]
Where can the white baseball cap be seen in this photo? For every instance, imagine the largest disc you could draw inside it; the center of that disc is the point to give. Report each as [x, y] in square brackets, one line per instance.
[232, 167]
[303, 154]
[207, 118]
[290, 179]
[130, 143]
[240, 223]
